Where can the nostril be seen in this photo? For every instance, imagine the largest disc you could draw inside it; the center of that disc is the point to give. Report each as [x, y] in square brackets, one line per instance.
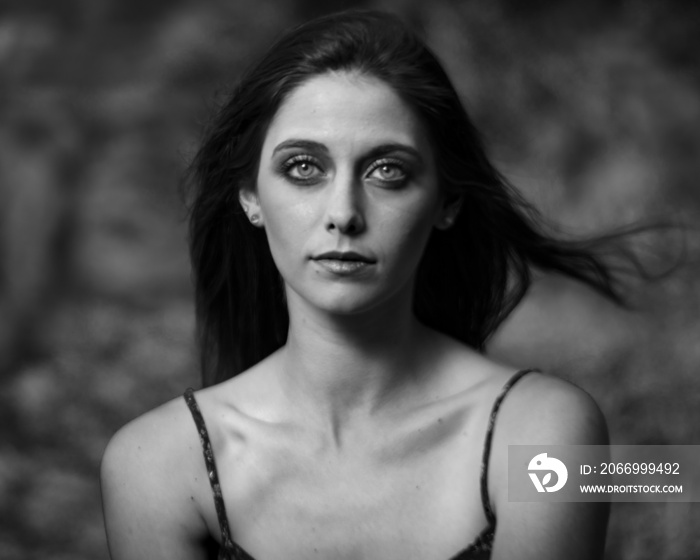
[345, 222]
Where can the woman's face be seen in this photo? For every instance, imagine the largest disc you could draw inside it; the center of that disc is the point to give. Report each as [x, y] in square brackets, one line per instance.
[347, 193]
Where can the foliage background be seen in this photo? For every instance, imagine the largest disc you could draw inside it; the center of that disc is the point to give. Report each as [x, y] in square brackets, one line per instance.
[591, 108]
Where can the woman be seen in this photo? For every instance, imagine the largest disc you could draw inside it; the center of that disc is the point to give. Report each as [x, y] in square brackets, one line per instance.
[353, 250]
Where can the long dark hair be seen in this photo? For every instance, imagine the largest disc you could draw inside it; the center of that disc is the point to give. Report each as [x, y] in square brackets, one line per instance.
[471, 276]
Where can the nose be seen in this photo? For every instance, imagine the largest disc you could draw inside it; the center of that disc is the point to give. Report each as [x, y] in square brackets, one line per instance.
[344, 209]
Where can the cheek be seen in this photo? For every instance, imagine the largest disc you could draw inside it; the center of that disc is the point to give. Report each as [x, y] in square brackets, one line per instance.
[286, 217]
[280, 203]
[404, 230]
[288, 221]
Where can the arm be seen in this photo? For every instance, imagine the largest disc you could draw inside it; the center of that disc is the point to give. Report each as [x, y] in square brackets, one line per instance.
[149, 499]
[547, 411]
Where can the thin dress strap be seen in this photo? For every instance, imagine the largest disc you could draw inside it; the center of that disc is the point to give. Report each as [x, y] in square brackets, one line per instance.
[487, 444]
[227, 543]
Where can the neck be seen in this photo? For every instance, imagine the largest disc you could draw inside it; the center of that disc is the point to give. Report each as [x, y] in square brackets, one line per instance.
[339, 370]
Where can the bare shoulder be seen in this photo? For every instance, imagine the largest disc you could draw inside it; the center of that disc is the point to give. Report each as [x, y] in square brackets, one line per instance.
[149, 486]
[542, 409]
[151, 433]
[536, 409]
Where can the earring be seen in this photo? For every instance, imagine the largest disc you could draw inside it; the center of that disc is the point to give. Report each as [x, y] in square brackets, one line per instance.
[446, 222]
[254, 219]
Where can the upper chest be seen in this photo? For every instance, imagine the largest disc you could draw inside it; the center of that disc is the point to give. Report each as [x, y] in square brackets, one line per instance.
[411, 490]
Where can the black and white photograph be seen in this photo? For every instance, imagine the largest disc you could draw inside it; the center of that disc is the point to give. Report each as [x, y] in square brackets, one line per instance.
[349, 280]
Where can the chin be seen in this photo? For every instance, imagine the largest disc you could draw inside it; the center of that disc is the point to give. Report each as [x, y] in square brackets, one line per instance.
[351, 299]
[356, 302]
[346, 306]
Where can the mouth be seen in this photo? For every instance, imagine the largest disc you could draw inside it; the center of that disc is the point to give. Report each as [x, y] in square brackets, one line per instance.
[343, 263]
[344, 256]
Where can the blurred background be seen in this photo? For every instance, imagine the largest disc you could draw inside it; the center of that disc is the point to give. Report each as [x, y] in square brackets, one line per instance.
[591, 108]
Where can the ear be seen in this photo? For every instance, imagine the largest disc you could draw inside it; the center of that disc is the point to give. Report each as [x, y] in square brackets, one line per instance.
[251, 206]
[449, 211]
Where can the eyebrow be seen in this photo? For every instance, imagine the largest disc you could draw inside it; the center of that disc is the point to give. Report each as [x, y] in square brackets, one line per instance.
[377, 151]
[384, 149]
[297, 143]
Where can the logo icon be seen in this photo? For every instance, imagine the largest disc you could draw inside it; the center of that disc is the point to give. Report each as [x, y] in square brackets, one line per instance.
[543, 463]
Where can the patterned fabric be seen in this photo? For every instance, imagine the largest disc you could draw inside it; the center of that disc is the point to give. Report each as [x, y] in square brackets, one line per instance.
[479, 549]
[229, 549]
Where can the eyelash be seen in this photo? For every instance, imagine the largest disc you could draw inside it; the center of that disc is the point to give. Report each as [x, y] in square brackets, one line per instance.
[287, 166]
[393, 163]
[293, 162]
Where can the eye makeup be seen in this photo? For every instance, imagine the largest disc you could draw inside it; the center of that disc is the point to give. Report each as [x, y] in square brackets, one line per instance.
[388, 166]
[389, 172]
[301, 169]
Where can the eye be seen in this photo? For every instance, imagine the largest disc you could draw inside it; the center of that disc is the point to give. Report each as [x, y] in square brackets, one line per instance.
[389, 171]
[302, 168]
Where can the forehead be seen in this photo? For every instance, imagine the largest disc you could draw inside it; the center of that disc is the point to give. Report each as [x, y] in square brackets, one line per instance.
[342, 108]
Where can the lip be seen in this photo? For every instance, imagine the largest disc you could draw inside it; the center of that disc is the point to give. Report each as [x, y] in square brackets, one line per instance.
[343, 263]
[345, 256]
